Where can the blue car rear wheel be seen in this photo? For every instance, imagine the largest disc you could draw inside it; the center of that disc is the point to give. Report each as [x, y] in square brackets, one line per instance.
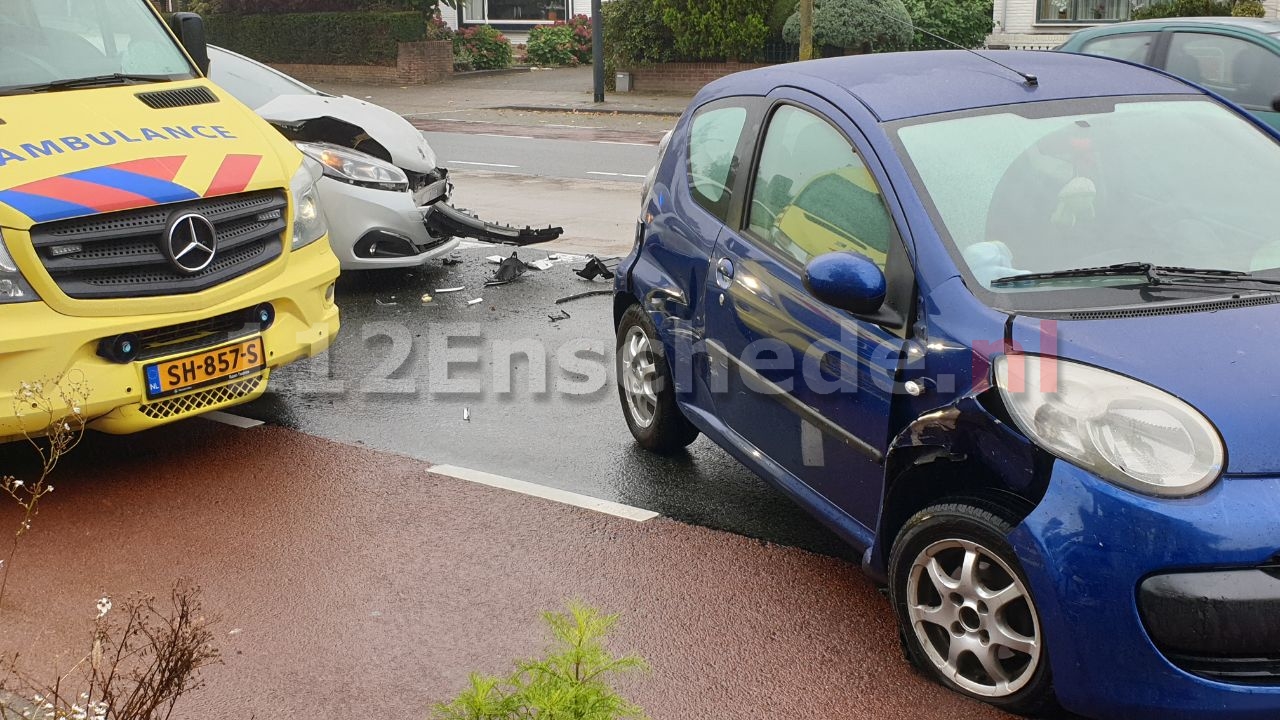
[647, 389]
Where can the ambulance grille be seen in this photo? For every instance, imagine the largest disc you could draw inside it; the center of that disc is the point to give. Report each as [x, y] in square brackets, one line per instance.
[122, 254]
[202, 400]
[182, 97]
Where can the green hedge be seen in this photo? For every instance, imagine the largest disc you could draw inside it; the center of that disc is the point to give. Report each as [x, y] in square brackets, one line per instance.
[345, 38]
[265, 7]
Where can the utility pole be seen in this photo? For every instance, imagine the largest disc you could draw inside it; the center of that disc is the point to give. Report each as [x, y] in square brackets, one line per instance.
[806, 29]
[597, 49]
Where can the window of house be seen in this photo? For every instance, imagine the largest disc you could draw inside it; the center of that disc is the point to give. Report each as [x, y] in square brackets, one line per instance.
[515, 11]
[1133, 47]
[713, 145]
[814, 195]
[1240, 71]
[1083, 11]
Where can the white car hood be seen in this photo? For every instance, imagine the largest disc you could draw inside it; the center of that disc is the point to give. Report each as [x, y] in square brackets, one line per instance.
[409, 149]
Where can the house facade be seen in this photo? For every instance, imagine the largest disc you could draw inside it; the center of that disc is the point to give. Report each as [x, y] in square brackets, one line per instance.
[1044, 24]
[515, 18]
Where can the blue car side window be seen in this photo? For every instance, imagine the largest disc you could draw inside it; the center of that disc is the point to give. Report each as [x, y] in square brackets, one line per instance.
[713, 145]
[813, 193]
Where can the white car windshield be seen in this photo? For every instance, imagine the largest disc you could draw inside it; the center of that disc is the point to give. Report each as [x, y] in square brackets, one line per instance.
[44, 42]
[1054, 186]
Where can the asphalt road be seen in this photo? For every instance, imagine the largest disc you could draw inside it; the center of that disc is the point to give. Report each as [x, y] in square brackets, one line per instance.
[385, 385]
[508, 151]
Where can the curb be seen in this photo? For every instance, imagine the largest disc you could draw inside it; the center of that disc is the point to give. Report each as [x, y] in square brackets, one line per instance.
[592, 108]
[482, 73]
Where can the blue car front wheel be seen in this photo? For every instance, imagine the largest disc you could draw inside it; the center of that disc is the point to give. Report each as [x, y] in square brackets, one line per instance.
[966, 613]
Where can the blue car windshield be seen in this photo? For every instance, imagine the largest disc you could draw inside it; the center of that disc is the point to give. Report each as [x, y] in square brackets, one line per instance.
[1042, 187]
[44, 42]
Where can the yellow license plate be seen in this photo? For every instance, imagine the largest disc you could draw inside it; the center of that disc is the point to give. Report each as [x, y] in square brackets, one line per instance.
[205, 368]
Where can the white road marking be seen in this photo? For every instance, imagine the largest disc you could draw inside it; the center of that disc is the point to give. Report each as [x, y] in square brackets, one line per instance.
[233, 420]
[464, 162]
[518, 137]
[613, 142]
[576, 127]
[546, 493]
[608, 174]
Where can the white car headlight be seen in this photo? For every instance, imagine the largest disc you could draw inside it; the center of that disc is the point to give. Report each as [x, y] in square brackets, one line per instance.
[1122, 430]
[308, 220]
[355, 167]
[13, 287]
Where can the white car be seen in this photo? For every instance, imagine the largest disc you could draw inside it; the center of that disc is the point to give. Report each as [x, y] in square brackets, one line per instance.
[384, 195]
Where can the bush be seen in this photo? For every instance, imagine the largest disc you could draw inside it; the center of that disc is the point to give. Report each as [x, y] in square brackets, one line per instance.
[777, 17]
[438, 29]
[1248, 8]
[581, 27]
[364, 38]
[633, 36]
[552, 45]
[484, 48]
[572, 682]
[716, 29]
[964, 22]
[1183, 8]
[858, 25]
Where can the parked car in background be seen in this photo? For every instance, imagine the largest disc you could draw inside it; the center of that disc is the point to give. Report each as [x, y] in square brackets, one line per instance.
[383, 192]
[1003, 328]
[1237, 58]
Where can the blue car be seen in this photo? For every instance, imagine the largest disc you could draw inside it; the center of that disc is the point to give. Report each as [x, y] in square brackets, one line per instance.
[1005, 324]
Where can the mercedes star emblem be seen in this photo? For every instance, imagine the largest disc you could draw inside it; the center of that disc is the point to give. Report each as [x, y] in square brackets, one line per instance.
[191, 243]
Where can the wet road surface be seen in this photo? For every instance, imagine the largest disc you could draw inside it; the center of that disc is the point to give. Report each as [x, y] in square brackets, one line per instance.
[354, 583]
[385, 385]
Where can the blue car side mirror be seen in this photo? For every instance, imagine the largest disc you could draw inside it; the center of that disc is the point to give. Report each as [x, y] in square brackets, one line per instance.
[846, 280]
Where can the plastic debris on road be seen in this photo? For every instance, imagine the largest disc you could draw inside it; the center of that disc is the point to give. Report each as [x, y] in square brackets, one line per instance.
[509, 270]
[595, 268]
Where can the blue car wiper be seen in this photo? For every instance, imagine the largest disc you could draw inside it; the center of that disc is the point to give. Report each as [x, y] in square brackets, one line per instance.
[1153, 274]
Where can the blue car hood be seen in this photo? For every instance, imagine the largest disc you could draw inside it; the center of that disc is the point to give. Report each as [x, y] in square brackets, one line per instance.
[1223, 363]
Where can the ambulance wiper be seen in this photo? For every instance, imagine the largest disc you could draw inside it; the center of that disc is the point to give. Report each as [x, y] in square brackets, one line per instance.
[95, 80]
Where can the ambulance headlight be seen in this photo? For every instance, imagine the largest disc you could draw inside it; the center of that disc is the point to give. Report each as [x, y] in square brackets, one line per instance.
[308, 217]
[13, 287]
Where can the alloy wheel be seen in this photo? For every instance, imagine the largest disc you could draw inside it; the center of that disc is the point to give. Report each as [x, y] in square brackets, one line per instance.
[639, 375]
[974, 618]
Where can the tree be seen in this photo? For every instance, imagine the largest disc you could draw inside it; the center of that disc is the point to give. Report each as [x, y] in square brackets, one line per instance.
[858, 25]
[806, 30]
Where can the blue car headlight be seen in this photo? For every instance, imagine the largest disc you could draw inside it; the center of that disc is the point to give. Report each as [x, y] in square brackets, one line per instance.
[1122, 430]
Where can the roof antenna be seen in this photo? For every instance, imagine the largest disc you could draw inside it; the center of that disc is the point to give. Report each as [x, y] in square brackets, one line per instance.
[1028, 78]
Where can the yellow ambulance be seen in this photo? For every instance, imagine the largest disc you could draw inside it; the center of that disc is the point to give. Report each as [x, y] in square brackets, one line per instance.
[159, 243]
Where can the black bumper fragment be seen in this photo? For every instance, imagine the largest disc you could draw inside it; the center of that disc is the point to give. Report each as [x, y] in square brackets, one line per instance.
[445, 220]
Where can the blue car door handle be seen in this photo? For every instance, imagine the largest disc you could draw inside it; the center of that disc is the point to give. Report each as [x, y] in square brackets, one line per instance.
[724, 273]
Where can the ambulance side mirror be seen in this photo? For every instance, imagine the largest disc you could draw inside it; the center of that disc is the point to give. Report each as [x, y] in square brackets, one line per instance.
[189, 27]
